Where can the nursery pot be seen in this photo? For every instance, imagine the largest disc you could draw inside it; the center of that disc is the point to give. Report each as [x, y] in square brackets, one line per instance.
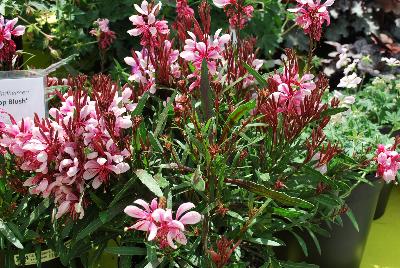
[345, 246]
[383, 200]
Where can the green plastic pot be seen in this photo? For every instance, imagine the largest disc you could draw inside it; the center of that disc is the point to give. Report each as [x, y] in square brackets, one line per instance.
[345, 246]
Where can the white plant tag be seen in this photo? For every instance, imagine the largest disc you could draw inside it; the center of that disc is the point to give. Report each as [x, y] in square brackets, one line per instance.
[21, 96]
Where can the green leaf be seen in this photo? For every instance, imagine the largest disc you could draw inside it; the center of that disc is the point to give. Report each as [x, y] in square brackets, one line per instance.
[163, 116]
[275, 195]
[256, 75]
[37, 212]
[149, 181]
[104, 217]
[125, 261]
[315, 239]
[264, 241]
[197, 180]
[298, 265]
[5, 230]
[302, 243]
[333, 111]
[288, 212]
[235, 116]
[38, 253]
[205, 92]
[353, 220]
[124, 189]
[126, 251]
[141, 103]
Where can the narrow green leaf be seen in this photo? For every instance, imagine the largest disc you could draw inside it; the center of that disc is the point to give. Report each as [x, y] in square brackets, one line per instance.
[264, 241]
[125, 261]
[297, 265]
[38, 253]
[38, 211]
[163, 116]
[149, 181]
[333, 111]
[235, 116]
[205, 92]
[302, 243]
[275, 195]
[104, 217]
[315, 239]
[5, 230]
[126, 251]
[288, 212]
[353, 220]
[141, 103]
[256, 75]
[128, 185]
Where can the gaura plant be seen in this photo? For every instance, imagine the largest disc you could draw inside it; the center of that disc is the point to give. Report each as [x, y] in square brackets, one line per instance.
[227, 156]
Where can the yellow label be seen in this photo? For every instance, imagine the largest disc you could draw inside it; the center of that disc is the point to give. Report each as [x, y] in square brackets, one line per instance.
[46, 255]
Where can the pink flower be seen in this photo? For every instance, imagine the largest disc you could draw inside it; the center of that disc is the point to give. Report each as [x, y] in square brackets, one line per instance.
[221, 3]
[237, 13]
[311, 16]
[8, 29]
[388, 163]
[99, 170]
[146, 23]
[211, 51]
[7, 45]
[146, 222]
[291, 88]
[142, 71]
[183, 9]
[104, 35]
[159, 222]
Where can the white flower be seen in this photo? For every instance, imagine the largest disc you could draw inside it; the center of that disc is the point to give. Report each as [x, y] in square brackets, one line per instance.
[351, 67]
[350, 81]
[392, 62]
[345, 100]
[343, 60]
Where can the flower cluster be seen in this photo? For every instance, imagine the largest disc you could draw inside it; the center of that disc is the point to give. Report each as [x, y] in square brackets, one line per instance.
[146, 25]
[388, 162]
[158, 63]
[291, 87]
[311, 15]
[7, 31]
[159, 222]
[209, 50]
[105, 37]
[80, 144]
[237, 12]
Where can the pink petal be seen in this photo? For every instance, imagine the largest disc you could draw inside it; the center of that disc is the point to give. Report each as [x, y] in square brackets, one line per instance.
[135, 212]
[183, 208]
[89, 174]
[18, 31]
[191, 217]
[141, 226]
[153, 232]
[62, 209]
[170, 240]
[143, 203]
[96, 183]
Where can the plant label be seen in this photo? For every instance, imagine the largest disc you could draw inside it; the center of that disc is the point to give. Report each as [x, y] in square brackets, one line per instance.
[21, 97]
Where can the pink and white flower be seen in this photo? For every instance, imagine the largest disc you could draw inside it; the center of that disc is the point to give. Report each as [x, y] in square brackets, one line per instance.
[388, 163]
[159, 222]
[210, 50]
[311, 15]
[146, 24]
[8, 29]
